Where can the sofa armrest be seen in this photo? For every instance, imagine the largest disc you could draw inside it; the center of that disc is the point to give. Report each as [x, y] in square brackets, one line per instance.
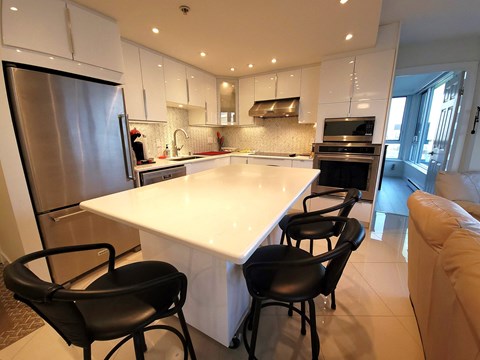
[471, 207]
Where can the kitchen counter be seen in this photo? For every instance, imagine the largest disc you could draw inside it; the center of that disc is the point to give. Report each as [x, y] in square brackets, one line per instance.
[164, 163]
[207, 224]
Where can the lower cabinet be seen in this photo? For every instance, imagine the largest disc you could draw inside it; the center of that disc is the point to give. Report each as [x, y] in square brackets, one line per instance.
[203, 165]
[238, 160]
[270, 162]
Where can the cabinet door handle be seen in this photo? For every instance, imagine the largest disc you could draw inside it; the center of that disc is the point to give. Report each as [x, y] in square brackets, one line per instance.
[188, 91]
[206, 112]
[145, 103]
[68, 22]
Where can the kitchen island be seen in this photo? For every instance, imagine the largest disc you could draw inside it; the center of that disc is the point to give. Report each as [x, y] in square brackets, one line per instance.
[207, 225]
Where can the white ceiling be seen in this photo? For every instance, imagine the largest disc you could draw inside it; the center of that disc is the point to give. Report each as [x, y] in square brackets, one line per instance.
[411, 84]
[236, 33]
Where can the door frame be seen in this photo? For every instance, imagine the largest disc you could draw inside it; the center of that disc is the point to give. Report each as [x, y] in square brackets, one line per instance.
[460, 142]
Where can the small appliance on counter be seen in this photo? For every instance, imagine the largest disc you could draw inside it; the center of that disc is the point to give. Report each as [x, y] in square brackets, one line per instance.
[138, 149]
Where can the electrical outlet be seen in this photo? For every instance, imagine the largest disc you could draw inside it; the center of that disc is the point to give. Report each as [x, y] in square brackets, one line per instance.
[210, 140]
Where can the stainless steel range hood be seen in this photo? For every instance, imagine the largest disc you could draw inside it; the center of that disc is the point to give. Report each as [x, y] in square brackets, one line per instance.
[275, 108]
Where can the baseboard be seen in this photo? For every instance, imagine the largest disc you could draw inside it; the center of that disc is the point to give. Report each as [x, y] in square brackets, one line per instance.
[412, 185]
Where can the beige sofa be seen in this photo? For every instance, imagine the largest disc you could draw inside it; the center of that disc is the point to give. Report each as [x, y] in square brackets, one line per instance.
[462, 188]
[444, 276]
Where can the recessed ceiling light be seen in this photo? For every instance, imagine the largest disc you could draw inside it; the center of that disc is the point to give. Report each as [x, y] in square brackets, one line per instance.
[343, 1]
[159, 65]
[13, 8]
[18, 50]
[250, 66]
[51, 58]
[155, 30]
[203, 54]
[274, 61]
[348, 37]
[232, 69]
[180, 105]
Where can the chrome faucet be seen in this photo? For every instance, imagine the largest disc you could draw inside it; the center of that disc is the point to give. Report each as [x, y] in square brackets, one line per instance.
[176, 149]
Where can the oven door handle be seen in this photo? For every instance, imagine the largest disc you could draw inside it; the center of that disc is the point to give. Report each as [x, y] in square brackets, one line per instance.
[369, 159]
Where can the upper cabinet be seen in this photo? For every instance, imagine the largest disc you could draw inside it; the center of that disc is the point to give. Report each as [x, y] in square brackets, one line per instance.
[175, 82]
[246, 98]
[309, 95]
[211, 100]
[336, 80]
[282, 85]
[144, 84]
[196, 87]
[203, 103]
[62, 29]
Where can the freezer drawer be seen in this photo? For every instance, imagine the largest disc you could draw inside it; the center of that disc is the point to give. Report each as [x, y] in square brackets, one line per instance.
[74, 226]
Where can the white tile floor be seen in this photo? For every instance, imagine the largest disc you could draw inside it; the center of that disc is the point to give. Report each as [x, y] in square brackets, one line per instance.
[373, 319]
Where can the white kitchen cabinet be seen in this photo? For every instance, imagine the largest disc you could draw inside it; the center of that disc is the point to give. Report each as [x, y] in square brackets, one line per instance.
[270, 161]
[238, 160]
[96, 38]
[153, 86]
[203, 165]
[36, 25]
[336, 80]
[211, 99]
[331, 110]
[246, 99]
[288, 84]
[175, 82]
[133, 87]
[373, 75]
[265, 87]
[309, 95]
[62, 29]
[144, 84]
[196, 87]
[302, 163]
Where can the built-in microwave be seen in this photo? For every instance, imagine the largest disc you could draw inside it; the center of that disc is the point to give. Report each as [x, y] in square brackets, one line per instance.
[349, 129]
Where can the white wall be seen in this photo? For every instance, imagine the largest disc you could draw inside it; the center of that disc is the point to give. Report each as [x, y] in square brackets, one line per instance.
[447, 54]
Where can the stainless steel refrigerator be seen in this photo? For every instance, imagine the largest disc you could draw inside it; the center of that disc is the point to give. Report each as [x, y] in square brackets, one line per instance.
[73, 137]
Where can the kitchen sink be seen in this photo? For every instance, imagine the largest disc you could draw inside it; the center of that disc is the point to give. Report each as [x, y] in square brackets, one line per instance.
[183, 158]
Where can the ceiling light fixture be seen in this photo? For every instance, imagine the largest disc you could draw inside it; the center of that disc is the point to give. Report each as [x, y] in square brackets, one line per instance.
[203, 54]
[274, 61]
[184, 9]
[343, 1]
[13, 8]
[348, 37]
[232, 69]
[250, 66]
[155, 30]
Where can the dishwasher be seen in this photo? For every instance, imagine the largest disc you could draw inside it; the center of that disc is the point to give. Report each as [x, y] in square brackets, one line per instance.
[154, 176]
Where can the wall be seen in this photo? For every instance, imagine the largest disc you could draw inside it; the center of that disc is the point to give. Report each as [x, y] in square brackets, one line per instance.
[465, 51]
[393, 168]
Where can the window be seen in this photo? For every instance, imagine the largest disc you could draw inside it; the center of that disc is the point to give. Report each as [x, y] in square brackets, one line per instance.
[394, 127]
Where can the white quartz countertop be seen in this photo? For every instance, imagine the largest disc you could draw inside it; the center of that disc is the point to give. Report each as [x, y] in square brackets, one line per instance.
[227, 211]
[165, 163]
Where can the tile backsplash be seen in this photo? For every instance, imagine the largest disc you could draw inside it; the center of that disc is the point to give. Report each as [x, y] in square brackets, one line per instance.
[276, 134]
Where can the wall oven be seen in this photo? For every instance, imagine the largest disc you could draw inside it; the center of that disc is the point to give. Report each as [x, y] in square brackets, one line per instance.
[345, 165]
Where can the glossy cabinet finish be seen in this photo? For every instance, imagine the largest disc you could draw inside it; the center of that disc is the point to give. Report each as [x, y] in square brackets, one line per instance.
[246, 99]
[37, 25]
[336, 80]
[309, 95]
[196, 87]
[269, 161]
[288, 84]
[144, 84]
[377, 108]
[96, 39]
[175, 82]
[265, 86]
[211, 101]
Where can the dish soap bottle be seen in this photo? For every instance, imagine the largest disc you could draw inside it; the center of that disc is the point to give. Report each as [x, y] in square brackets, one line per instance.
[166, 152]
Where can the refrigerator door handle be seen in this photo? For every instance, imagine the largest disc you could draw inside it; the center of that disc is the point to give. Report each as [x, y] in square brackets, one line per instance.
[60, 218]
[127, 146]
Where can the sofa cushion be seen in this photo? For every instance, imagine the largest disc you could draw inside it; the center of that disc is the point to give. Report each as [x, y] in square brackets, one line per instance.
[436, 217]
[460, 259]
[458, 186]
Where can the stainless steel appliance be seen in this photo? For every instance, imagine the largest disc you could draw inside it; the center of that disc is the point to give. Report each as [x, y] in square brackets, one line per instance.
[74, 141]
[344, 165]
[350, 129]
[154, 176]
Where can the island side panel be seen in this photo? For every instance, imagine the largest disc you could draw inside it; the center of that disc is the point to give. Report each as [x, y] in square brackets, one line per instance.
[217, 296]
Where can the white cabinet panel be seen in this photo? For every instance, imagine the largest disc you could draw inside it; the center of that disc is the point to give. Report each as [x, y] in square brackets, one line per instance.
[175, 82]
[246, 99]
[288, 84]
[96, 39]
[374, 75]
[377, 108]
[328, 111]
[211, 99]
[336, 80]
[302, 163]
[133, 87]
[196, 87]
[153, 85]
[238, 160]
[203, 165]
[309, 95]
[270, 161]
[265, 86]
[36, 25]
